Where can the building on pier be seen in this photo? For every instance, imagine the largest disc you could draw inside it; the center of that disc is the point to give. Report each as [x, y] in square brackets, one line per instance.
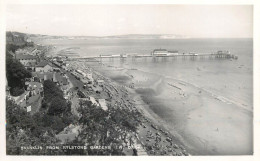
[164, 52]
[223, 52]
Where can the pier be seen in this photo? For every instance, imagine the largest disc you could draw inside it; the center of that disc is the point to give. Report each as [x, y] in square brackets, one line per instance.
[162, 57]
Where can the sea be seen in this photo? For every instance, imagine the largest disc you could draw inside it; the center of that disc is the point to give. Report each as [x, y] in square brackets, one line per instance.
[231, 79]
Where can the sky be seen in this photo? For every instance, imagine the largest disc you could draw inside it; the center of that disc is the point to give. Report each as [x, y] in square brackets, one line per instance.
[195, 21]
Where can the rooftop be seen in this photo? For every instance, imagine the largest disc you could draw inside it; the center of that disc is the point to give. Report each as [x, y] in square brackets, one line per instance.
[43, 64]
[159, 50]
[34, 86]
[21, 56]
[55, 77]
[30, 64]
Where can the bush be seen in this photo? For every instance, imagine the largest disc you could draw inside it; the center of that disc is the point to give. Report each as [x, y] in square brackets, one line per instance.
[57, 107]
[16, 91]
[23, 129]
[54, 122]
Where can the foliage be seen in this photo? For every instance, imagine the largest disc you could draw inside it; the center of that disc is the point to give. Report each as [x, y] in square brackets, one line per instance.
[53, 99]
[24, 130]
[16, 91]
[16, 74]
[14, 47]
[51, 91]
[57, 108]
[105, 127]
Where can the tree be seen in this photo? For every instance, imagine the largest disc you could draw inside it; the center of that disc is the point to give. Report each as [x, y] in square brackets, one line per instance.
[16, 74]
[102, 127]
[23, 129]
[57, 107]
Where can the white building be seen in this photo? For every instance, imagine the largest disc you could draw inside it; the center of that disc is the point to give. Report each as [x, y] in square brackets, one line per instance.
[164, 52]
[102, 103]
[93, 100]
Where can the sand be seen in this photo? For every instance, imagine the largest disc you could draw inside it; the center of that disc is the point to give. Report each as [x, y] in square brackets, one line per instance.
[206, 123]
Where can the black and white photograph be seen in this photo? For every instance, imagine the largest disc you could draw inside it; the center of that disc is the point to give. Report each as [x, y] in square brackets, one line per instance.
[129, 79]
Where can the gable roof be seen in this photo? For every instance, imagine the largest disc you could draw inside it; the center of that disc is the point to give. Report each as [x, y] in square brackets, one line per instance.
[43, 64]
[30, 64]
[47, 75]
[21, 56]
[53, 76]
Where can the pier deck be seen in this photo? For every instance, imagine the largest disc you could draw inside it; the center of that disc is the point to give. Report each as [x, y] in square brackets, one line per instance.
[163, 57]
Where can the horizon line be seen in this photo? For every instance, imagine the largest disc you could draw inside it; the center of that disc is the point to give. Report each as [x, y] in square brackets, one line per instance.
[184, 36]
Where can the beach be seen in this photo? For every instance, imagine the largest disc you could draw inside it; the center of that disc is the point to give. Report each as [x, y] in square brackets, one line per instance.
[206, 123]
[151, 138]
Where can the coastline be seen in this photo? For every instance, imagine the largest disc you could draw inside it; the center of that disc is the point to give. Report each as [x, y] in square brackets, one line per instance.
[148, 136]
[192, 107]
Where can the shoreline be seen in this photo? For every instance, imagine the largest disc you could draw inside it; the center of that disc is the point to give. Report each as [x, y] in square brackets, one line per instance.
[186, 100]
[169, 144]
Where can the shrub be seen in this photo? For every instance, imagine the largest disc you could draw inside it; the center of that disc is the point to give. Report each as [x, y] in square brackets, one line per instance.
[16, 91]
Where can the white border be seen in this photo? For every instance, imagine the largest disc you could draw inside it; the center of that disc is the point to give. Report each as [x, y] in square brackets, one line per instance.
[100, 158]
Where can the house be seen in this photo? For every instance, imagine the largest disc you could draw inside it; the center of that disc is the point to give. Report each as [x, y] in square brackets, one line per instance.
[58, 78]
[53, 76]
[43, 66]
[102, 103]
[22, 51]
[39, 76]
[28, 51]
[35, 52]
[28, 61]
[33, 97]
[35, 88]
